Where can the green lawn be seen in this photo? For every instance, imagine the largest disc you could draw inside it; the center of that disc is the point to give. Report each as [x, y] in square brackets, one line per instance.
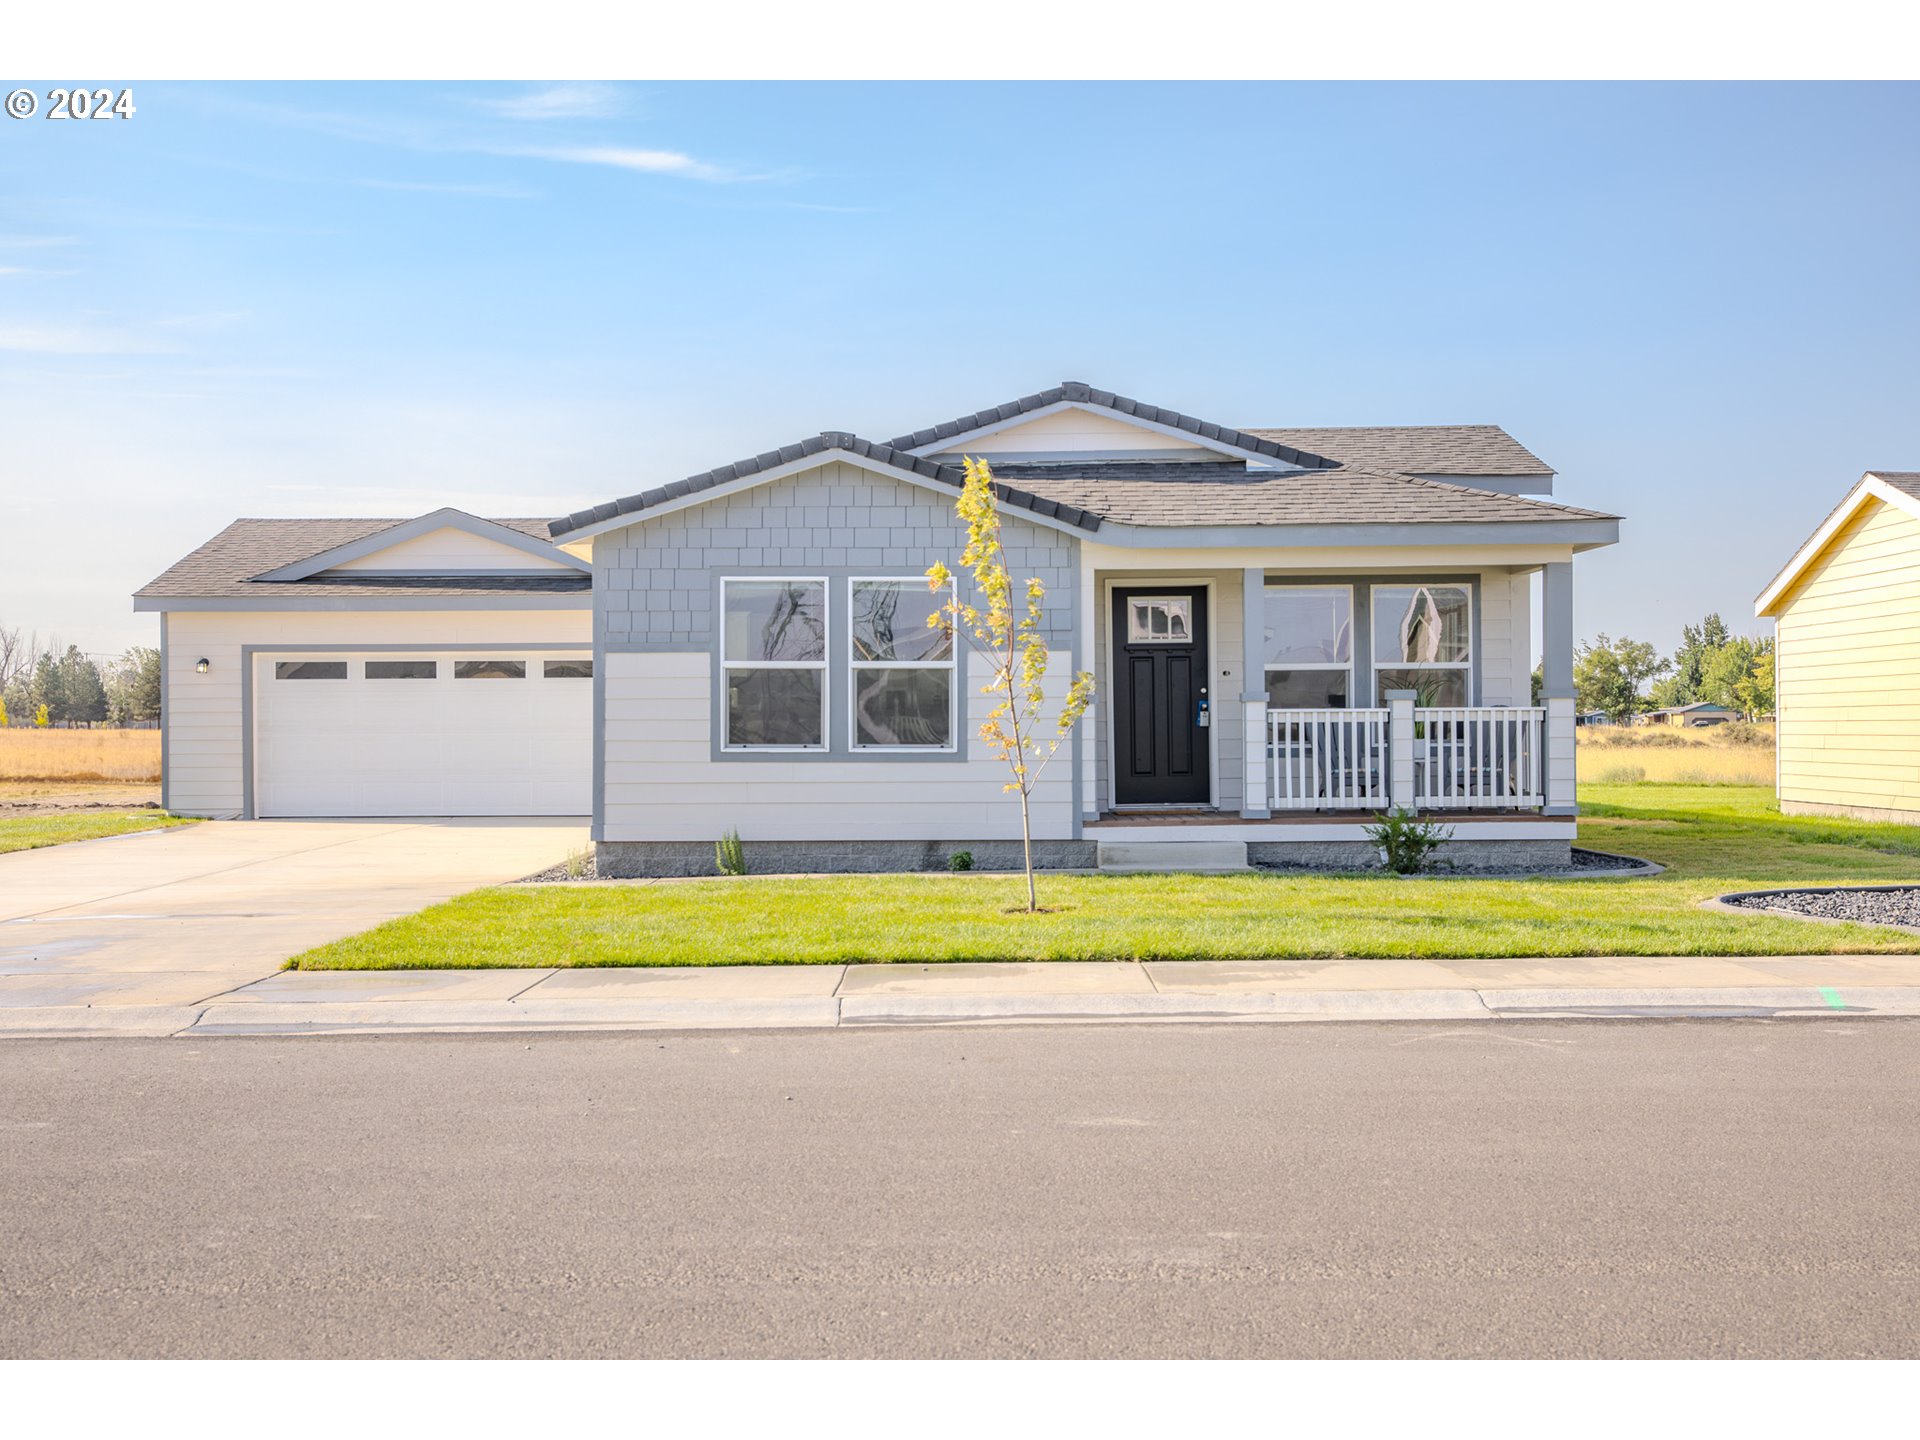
[1713, 839]
[31, 832]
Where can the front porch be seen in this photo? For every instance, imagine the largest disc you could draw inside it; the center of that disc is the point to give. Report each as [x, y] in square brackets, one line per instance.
[1287, 709]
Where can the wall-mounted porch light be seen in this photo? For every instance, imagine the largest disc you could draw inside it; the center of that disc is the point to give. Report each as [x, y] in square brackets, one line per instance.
[203, 665]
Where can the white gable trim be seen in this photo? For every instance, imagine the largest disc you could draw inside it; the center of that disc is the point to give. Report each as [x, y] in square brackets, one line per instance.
[1871, 487]
[957, 443]
[443, 519]
[799, 467]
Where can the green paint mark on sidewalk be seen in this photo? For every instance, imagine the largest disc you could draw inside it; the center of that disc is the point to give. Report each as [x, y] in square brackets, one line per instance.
[1832, 997]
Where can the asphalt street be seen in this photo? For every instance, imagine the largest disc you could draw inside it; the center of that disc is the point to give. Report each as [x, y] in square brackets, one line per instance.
[1615, 1188]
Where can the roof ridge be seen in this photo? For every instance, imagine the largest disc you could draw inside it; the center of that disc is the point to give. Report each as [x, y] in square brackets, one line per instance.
[1078, 392]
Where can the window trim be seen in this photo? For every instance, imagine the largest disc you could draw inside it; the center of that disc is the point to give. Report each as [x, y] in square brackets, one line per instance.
[1468, 667]
[1349, 666]
[951, 665]
[727, 745]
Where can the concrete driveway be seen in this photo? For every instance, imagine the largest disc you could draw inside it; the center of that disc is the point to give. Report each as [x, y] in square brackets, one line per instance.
[173, 917]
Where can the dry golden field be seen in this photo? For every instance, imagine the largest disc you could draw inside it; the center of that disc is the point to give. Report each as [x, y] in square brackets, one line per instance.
[1667, 754]
[27, 753]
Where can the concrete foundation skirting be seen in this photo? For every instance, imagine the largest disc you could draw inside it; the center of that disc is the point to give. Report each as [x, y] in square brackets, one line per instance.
[634, 859]
[1460, 856]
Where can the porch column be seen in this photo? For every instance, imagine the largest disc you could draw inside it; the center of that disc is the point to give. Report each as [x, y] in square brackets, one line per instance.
[1255, 802]
[1556, 673]
[1088, 736]
[1400, 705]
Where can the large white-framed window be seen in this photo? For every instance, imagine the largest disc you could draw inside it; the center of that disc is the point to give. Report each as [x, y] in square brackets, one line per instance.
[773, 655]
[1423, 641]
[1309, 646]
[901, 686]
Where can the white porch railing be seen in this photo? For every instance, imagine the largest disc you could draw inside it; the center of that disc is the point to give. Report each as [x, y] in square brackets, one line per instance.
[1327, 759]
[1478, 757]
[1461, 757]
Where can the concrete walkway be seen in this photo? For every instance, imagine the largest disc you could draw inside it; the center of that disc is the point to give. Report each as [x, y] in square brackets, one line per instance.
[753, 997]
[175, 917]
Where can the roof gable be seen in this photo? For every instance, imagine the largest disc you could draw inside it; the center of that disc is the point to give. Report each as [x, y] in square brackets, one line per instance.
[967, 433]
[822, 449]
[1899, 488]
[442, 542]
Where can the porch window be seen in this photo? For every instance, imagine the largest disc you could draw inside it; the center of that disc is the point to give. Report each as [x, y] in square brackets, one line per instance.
[773, 652]
[903, 668]
[1309, 646]
[1423, 641]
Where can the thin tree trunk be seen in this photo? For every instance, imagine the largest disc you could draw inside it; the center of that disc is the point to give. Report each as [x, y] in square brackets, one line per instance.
[1026, 841]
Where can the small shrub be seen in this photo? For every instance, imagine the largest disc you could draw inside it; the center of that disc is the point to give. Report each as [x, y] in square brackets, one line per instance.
[1406, 843]
[579, 863]
[960, 860]
[729, 855]
[1744, 732]
[1623, 775]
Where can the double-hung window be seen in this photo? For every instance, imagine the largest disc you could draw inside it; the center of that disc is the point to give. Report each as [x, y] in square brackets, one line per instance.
[1309, 646]
[902, 692]
[1423, 641]
[774, 654]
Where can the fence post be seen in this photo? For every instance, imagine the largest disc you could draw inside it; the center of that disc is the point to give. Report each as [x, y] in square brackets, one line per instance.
[1400, 748]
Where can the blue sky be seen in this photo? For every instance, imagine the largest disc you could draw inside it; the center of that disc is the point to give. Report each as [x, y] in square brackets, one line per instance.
[1700, 304]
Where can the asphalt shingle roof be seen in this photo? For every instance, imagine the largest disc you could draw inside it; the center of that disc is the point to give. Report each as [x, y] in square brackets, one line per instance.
[226, 565]
[1905, 481]
[1417, 449]
[1347, 496]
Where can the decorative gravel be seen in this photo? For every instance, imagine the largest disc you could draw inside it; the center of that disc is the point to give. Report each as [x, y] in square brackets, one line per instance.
[1900, 906]
[559, 872]
[1600, 860]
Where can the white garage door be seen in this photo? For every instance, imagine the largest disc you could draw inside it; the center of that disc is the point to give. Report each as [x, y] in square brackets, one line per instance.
[467, 732]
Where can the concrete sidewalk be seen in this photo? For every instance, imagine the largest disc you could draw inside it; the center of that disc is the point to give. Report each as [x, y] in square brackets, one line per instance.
[826, 996]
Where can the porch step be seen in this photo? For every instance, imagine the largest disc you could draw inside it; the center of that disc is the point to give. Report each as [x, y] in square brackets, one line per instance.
[1204, 857]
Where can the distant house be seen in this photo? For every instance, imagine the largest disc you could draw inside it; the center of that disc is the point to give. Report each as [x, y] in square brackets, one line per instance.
[1592, 717]
[1700, 713]
[1847, 657]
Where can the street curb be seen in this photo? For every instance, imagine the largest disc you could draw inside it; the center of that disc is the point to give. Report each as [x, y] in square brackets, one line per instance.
[878, 1011]
[338, 1018]
[1187, 1006]
[58, 1021]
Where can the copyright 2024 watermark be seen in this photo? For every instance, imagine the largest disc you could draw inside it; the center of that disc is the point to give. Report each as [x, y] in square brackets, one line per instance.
[78, 102]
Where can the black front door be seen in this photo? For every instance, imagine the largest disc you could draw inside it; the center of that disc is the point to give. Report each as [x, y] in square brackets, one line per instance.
[1160, 697]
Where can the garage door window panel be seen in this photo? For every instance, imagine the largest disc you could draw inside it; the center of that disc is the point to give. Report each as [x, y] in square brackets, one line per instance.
[489, 669]
[310, 670]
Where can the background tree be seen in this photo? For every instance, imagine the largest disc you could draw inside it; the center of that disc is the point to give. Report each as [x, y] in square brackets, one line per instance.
[44, 688]
[1013, 647]
[1608, 674]
[81, 690]
[133, 686]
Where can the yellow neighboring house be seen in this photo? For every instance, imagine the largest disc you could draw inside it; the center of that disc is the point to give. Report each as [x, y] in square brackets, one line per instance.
[1847, 663]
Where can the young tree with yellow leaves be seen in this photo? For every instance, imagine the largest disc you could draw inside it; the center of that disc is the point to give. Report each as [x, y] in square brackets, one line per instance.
[1014, 649]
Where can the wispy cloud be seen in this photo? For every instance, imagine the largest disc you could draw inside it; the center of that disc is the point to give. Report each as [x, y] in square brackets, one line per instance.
[650, 162]
[571, 101]
[80, 340]
[438, 137]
